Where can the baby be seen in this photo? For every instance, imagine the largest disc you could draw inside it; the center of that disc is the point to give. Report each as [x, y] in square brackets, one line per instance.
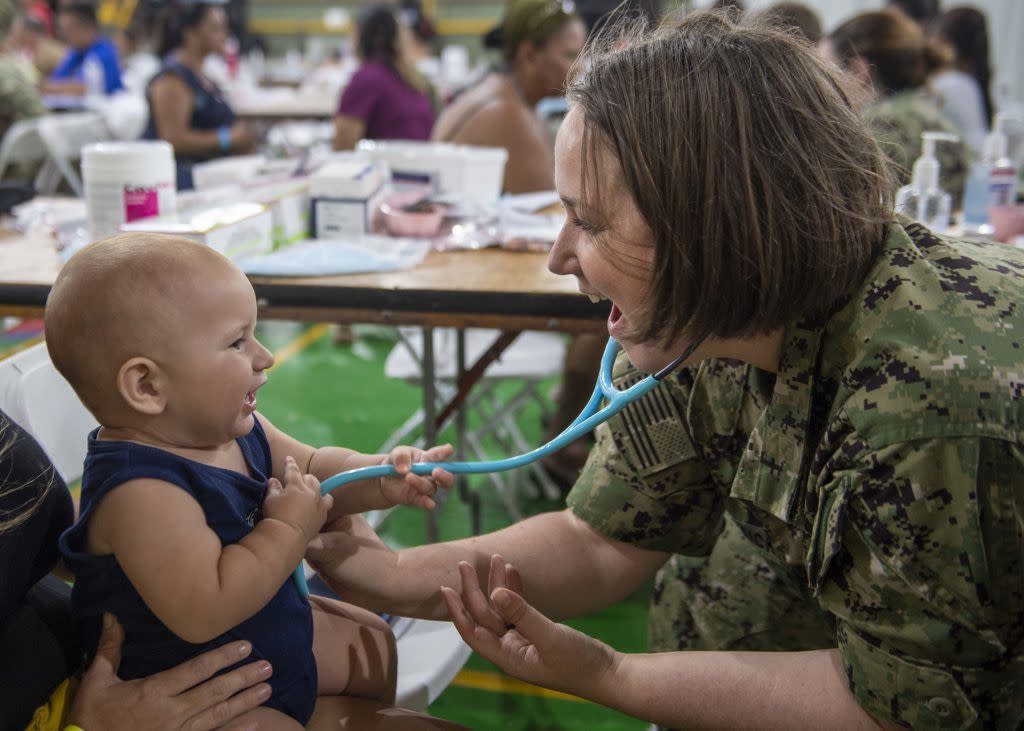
[195, 508]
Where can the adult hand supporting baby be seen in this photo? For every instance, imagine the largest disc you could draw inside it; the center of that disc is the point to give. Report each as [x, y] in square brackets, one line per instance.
[185, 698]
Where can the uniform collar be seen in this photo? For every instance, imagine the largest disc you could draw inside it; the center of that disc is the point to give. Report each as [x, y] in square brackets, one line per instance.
[777, 457]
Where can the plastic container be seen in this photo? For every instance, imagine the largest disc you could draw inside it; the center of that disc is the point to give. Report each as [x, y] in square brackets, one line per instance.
[344, 196]
[125, 182]
[1007, 222]
[474, 174]
[400, 219]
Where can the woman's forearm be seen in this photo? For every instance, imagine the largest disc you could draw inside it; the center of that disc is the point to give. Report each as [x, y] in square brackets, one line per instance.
[568, 569]
[725, 689]
[195, 143]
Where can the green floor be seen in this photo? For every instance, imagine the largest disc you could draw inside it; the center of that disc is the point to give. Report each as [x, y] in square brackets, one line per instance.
[337, 394]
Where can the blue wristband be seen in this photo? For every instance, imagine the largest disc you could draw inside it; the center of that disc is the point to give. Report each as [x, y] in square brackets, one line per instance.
[224, 138]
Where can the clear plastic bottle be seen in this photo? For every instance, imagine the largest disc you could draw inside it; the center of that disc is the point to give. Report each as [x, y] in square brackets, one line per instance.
[993, 179]
[923, 199]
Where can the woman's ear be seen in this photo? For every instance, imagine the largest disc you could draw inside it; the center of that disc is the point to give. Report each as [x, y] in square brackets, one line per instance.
[141, 384]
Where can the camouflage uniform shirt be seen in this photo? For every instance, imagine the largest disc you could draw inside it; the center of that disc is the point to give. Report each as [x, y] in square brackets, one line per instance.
[882, 467]
[19, 99]
[897, 121]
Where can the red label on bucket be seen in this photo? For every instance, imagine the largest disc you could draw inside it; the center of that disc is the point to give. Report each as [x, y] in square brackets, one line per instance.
[140, 203]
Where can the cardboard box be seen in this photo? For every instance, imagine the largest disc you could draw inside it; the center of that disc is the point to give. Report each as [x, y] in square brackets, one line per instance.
[344, 197]
[237, 230]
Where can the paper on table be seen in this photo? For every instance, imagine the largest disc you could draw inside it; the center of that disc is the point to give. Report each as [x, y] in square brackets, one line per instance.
[326, 257]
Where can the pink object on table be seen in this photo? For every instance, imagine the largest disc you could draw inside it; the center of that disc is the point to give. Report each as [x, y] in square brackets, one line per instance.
[1008, 221]
[425, 220]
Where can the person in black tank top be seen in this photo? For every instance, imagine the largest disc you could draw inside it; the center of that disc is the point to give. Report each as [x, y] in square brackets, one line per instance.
[186, 108]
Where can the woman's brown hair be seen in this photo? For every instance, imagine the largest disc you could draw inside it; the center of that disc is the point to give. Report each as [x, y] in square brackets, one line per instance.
[32, 493]
[767, 196]
[898, 54]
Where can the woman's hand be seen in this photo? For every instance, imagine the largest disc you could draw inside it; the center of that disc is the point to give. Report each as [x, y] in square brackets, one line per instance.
[243, 138]
[524, 643]
[416, 490]
[183, 698]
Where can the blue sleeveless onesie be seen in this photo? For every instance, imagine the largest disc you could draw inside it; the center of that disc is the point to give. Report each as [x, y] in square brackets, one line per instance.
[281, 632]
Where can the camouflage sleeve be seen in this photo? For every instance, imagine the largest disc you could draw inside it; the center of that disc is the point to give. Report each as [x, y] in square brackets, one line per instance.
[917, 550]
[644, 482]
[18, 98]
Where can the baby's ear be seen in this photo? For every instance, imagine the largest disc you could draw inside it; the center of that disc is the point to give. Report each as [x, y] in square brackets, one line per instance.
[140, 383]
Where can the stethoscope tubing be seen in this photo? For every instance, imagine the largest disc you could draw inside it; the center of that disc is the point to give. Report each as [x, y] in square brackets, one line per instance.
[589, 418]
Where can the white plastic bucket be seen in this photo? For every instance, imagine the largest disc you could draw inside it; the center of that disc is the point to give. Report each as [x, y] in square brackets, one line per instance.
[127, 181]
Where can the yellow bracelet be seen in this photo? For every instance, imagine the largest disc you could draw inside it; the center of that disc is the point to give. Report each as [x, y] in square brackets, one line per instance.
[72, 727]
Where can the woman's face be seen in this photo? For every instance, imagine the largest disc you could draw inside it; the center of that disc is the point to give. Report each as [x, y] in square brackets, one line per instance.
[554, 59]
[212, 30]
[613, 260]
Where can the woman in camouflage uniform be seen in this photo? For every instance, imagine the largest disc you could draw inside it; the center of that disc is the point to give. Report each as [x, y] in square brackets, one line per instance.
[19, 99]
[832, 486]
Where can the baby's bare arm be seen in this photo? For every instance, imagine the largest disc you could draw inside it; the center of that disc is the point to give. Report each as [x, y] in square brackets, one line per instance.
[326, 462]
[195, 585]
[358, 497]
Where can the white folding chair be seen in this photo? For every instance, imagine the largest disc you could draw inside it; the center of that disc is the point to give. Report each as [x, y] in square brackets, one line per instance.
[531, 358]
[36, 396]
[64, 136]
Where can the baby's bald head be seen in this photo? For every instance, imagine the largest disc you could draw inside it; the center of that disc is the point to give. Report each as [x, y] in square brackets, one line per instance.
[119, 298]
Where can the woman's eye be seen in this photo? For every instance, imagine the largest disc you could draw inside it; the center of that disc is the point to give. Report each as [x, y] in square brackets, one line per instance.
[237, 345]
[581, 224]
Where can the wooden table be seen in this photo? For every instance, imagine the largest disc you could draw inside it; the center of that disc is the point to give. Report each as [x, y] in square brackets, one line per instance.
[492, 288]
[487, 288]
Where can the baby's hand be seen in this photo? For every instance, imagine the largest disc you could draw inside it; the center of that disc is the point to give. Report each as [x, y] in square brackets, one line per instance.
[416, 490]
[299, 502]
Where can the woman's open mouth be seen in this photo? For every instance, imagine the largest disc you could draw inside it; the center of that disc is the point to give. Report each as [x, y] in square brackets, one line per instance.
[250, 400]
[614, 319]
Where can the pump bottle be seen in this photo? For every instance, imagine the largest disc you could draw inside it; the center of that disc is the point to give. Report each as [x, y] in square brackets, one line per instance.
[993, 179]
[923, 199]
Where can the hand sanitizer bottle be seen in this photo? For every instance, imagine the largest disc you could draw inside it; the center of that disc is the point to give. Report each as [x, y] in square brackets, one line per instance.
[992, 180]
[923, 199]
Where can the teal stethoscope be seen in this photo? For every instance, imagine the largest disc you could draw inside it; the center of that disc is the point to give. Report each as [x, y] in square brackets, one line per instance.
[589, 418]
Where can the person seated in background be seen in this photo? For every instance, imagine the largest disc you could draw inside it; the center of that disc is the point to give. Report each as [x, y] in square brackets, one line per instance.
[189, 492]
[186, 108]
[797, 17]
[922, 11]
[91, 66]
[40, 52]
[539, 41]
[890, 57]
[19, 99]
[387, 98]
[963, 87]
